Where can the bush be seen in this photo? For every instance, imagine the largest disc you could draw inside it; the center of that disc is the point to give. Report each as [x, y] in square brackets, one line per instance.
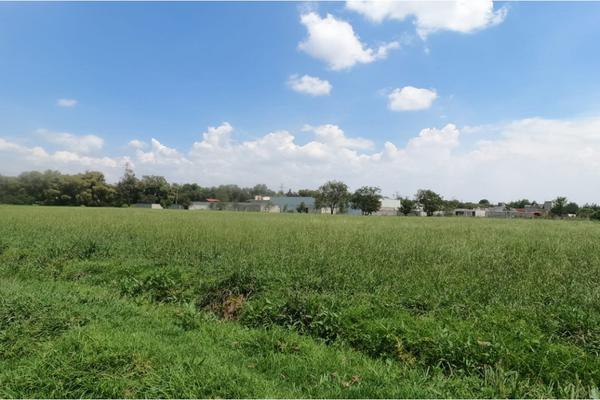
[595, 216]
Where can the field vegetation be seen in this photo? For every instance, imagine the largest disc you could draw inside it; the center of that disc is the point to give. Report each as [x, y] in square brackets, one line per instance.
[101, 302]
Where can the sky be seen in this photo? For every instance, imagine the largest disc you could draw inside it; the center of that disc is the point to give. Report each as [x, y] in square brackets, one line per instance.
[473, 99]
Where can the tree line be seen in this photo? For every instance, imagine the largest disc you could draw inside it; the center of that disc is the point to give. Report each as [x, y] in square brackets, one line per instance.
[91, 189]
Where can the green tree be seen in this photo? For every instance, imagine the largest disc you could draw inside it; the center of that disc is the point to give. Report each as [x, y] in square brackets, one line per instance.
[518, 204]
[484, 202]
[93, 190]
[367, 199]
[407, 205]
[261, 190]
[430, 200]
[155, 189]
[558, 208]
[128, 187]
[571, 208]
[333, 194]
[302, 208]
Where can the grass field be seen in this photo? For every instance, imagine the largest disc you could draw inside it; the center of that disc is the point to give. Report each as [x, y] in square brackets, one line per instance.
[143, 303]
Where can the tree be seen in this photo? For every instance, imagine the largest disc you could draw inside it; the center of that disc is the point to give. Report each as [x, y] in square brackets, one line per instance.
[595, 216]
[407, 205]
[430, 200]
[518, 204]
[484, 202]
[558, 208]
[302, 208]
[333, 194]
[451, 205]
[261, 190]
[367, 199]
[94, 191]
[128, 187]
[571, 208]
[155, 189]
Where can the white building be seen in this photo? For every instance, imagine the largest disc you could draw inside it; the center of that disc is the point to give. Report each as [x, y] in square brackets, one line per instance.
[389, 207]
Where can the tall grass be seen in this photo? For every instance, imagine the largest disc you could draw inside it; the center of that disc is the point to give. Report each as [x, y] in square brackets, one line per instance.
[144, 303]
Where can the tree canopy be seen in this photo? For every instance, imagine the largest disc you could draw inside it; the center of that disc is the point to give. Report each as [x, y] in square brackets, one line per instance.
[333, 194]
[367, 199]
[429, 200]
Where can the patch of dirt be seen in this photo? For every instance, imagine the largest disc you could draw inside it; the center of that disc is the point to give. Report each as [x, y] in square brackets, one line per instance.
[232, 305]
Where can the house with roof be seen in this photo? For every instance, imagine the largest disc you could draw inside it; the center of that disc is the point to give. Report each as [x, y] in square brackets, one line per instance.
[203, 205]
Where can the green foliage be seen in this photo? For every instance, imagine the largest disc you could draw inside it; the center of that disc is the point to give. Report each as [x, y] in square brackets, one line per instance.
[128, 302]
[595, 216]
[367, 199]
[407, 205]
[558, 208]
[163, 286]
[571, 208]
[91, 189]
[430, 201]
[333, 194]
[302, 208]
[518, 204]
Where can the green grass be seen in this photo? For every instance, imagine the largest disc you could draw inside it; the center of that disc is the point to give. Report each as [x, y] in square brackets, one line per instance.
[144, 303]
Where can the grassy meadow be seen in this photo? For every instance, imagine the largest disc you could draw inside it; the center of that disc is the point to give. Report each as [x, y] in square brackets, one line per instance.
[147, 303]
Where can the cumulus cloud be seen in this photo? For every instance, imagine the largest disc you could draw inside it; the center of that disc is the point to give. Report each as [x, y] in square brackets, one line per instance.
[309, 85]
[76, 143]
[66, 102]
[161, 155]
[335, 42]
[463, 16]
[137, 144]
[334, 136]
[410, 98]
[534, 158]
[16, 158]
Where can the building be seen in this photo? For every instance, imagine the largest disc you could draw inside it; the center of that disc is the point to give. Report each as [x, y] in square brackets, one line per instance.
[469, 212]
[152, 206]
[293, 204]
[253, 206]
[261, 198]
[389, 207]
[203, 205]
[499, 211]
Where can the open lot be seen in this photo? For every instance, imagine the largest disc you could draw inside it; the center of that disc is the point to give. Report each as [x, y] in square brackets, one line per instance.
[145, 303]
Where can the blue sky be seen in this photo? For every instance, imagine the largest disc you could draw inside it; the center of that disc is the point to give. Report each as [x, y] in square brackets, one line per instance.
[513, 90]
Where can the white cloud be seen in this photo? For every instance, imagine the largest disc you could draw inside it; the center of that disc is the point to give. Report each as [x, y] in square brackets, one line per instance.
[534, 158]
[137, 144]
[69, 141]
[310, 85]
[214, 137]
[410, 98]
[463, 16]
[16, 158]
[66, 102]
[335, 42]
[334, 136]
[161, 154]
